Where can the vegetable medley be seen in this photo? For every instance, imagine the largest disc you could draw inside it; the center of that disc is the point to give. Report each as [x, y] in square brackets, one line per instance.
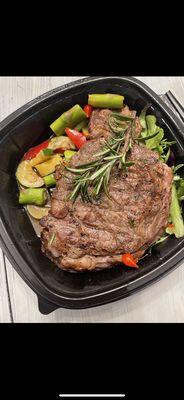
[35, 173]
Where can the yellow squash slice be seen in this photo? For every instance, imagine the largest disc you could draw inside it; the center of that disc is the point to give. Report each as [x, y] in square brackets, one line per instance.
[27, 177]
[49, 166]
[61, 142]
[37, 212]
[39, 158]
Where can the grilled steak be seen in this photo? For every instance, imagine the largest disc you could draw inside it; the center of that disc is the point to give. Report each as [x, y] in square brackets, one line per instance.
[90, 236]
[98, 125]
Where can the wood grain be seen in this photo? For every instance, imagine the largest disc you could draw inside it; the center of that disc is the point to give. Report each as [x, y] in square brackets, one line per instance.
[161, 302]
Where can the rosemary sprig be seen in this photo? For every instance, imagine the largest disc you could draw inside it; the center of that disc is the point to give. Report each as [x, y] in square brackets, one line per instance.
[118, 123]
[92, 178]
[122, 117]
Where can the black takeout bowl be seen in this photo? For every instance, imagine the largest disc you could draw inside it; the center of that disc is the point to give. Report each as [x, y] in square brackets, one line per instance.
[28, 126]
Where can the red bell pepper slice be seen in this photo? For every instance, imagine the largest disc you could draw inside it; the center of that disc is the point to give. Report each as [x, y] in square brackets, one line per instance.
[88, 110]
[31, 153]
[129, 260]
[76, 137]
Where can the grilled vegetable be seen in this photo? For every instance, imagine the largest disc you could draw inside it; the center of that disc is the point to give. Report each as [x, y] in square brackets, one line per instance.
[175, 213]
[88, 110]
[77, 137]
[49, 180]
[69, 154]
[106, 100]
[42, 156]
[153, 135]
[48, 152]
[57, 144]
[81, 125]
[85, 131]
[142, 118]
[27, 177]
[33, 196]
[180, 188]
[37, 212]
[69, 119]
[129, 260]
[49, 166]
[31, 153]
[61, 142]
[153, 128]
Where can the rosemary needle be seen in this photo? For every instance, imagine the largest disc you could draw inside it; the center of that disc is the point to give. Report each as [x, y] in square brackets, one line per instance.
[52, 239]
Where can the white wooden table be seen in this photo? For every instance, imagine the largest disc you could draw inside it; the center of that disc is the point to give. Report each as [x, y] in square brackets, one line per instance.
[161, 302]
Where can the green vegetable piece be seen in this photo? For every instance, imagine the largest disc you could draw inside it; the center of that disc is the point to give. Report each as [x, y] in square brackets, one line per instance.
[180, 188]
[69, 154]
[35, 196]
[159, 149]
[167, 155]
[144, 139]
[149, 131]
[106, 100]
[49, 180]
[153, 135]
[153, 128]
[176, 215]
[154, 142]
[176, 178]
[81, 125]
[142, 118]
[151, 123]
[177, 167]
[48, 152]
[68, 119]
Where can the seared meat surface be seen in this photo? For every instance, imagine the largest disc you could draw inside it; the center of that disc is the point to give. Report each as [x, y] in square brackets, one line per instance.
[93, 236]
[98, 125]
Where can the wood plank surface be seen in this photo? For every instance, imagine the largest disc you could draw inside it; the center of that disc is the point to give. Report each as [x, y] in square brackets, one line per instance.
[161, 302]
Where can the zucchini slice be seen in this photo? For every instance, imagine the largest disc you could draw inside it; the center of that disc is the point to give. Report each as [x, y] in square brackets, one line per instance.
[27, 177]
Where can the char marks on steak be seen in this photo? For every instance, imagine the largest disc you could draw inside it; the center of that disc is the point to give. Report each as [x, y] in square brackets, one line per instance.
[94, 236]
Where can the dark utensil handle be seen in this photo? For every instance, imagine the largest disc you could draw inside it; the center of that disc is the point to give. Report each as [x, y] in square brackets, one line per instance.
[171, 95]
[176, 104]
[45, 307]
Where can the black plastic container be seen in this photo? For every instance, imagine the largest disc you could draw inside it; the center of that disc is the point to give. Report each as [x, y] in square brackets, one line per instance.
[28, 126]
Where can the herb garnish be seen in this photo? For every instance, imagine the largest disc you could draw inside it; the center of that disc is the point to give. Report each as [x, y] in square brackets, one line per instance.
[92, 178]
[52, 239]
[132, 223]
